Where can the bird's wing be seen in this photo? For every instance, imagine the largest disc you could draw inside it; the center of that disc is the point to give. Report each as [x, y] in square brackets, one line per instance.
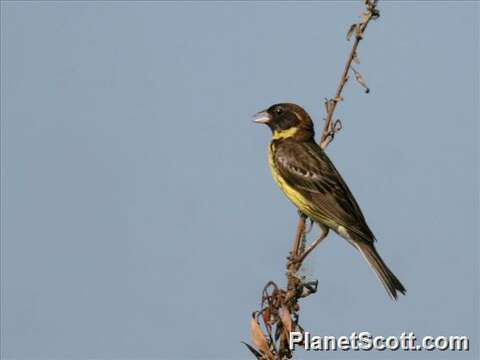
[306, 168]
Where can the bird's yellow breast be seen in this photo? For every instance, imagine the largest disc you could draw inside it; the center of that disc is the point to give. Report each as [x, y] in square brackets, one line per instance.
[293, 195]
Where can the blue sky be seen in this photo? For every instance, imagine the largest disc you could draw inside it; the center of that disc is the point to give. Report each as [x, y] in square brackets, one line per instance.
[139, 217]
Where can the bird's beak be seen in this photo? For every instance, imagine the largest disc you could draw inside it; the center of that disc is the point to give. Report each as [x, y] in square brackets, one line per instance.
[262, 117]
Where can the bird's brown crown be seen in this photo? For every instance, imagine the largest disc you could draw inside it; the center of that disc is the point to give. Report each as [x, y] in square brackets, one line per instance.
[287, 120]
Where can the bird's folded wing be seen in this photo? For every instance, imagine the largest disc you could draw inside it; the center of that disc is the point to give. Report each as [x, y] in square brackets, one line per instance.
[306, 168]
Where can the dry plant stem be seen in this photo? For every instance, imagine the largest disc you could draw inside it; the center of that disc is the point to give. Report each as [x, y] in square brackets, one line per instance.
[328, 130]
[297, 244]
[293, 264]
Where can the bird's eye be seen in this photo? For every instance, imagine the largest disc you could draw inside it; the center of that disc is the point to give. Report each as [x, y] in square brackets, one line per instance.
[278, 110]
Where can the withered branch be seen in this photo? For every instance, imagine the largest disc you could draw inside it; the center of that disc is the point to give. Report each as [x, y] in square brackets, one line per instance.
[329, 130]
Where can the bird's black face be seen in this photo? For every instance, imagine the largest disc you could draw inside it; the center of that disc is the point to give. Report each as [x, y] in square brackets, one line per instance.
[286, 120]
[278, 117]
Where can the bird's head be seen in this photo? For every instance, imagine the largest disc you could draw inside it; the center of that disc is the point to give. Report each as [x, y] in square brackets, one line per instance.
[287, 120]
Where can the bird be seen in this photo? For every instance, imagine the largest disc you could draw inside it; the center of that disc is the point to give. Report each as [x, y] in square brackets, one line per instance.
[308, 178]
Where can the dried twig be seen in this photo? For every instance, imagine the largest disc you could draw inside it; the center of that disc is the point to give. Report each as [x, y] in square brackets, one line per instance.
[371, 13]
[280, 310]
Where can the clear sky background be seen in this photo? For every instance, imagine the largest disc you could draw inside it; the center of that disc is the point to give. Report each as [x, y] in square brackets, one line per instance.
[139, 217]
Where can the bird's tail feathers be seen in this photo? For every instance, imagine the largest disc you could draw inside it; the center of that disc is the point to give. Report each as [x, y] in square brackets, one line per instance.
[384, 274]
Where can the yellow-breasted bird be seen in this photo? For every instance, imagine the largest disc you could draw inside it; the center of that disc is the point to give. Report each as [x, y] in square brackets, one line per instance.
[309, 179]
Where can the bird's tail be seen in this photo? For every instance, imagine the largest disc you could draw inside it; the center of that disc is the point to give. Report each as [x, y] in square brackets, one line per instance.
[386, 277]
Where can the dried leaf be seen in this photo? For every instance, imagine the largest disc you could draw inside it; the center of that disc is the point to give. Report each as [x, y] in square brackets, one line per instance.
[266, 316]
[266, 319]
[286, 318]
[328, 105]
[350, 31]
[360, 80]
[258, 337]
[266, 296]
[252, 349]
[355, 58]
[359, 31]
[337, 126]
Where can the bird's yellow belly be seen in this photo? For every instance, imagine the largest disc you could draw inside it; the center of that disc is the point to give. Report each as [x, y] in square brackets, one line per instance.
[293, 195]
